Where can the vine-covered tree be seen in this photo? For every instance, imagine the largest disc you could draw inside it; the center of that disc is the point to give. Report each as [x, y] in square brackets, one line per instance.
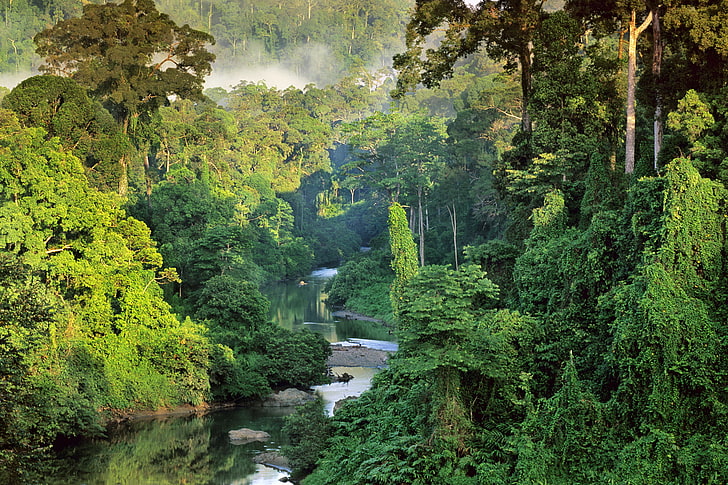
[404, 251]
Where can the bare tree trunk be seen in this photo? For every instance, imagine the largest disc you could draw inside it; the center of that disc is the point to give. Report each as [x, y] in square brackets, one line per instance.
[454, 224]
[421, 226]
[148, 180]
[634, 32]
[656, 75]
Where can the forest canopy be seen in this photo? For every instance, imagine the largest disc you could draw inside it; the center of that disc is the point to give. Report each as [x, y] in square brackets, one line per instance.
[540, 188]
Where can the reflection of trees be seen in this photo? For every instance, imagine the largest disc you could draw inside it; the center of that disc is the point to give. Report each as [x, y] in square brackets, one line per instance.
[362, 329]
[292, 304]
[157, 452]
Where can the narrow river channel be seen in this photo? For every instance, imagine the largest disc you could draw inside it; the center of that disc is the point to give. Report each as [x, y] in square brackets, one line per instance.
[196, 449]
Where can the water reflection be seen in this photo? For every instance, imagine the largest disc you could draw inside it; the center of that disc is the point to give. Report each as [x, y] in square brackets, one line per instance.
[297, 306]
[193, 450]
[190, 450]
[293, 304]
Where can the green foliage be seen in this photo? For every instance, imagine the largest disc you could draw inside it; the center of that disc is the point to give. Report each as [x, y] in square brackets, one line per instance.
[441, 413]
[37, 392]
[665, 342]
[56, 104]
[308, 429]
[600, 193]
[234, 308]
[234, 378]
[549, 220]
[111, 342]
[290, 358]
[125, 70]
[564, 439]
[362, 285]
[693, 227]
[497, 258]
[691, 118]
[404, 253]
[378, 436]
[618, 375]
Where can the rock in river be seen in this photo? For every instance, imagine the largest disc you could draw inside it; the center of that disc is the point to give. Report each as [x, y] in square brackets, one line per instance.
[288, 397]
[246, 435]
[273, 459]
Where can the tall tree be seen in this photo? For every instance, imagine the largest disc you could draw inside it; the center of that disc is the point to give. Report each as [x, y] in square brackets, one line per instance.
[634, 33]
[130, 56]
[637, 16]
[504, 28]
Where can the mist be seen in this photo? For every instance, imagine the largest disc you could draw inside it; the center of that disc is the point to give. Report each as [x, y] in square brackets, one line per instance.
[301, 66]
[10, 80]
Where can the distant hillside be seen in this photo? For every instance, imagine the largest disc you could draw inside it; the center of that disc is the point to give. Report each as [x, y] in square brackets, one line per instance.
[295, 42]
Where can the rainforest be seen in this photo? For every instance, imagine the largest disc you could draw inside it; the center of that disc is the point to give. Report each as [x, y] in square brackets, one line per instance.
[529, 195]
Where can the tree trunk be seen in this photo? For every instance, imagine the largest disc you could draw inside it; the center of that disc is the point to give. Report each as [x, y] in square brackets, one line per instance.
[123, 177]
[148, 180]
[526, 60]
[421, 226]
[454, 224]
[634, 33]
[656, 75]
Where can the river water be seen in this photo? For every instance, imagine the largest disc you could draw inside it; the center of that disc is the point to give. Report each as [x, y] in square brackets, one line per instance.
[196, 449]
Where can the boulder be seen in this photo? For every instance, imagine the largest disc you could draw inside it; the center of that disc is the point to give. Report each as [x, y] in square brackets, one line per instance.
[246, 435]
[273, 459]
[341, 402]
[288, 397]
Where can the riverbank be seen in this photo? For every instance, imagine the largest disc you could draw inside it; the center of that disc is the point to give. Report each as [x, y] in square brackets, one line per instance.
[349, 315]
[357, 356]
[118, 416]
[342, 355]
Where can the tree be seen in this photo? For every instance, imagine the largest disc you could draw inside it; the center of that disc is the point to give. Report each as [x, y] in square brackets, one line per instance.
[634, 32]
[236, 309]
[63, 108]
[504, 28]
[404, 251]
[402, 155]
[637, 15]
[130, 56]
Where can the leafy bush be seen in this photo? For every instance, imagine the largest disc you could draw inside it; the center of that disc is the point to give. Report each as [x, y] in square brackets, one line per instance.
[308, 430]
[290, 358]
[362, 285]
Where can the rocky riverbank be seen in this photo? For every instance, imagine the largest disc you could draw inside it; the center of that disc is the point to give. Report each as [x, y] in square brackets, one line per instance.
[357, 356]
[349, 315]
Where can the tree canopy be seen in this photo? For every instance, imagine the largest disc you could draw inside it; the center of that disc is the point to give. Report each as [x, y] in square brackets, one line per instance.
[129, 55]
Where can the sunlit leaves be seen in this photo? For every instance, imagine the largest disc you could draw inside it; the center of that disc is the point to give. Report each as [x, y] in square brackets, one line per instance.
[692, 116]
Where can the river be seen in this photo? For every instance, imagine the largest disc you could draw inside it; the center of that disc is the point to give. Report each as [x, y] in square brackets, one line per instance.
[196, 449]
